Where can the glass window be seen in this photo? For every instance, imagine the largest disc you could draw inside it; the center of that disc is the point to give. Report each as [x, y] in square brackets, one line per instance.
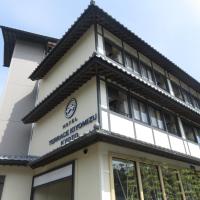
[161, 81]
[189, 132]
[198, 135]
[150, 182]
[128, 61]
[171, 124]
[177, 91]
[144, 113]
[118, 101]
[160, 119]
[136, 109]
[125, 180]
[144, 71]
[2, 178]
[153, 118]
[191, 184]
[59, 190]
[187, 97]
[171, 184]
[113, 52]
[195, 102]
[135, 65]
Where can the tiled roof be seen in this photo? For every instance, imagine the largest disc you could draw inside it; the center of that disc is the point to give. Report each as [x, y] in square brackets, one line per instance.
[93, 14]
[101, 65]
[16, 160]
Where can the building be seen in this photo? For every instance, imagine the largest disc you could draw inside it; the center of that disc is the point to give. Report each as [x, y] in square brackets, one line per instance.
[105, 116]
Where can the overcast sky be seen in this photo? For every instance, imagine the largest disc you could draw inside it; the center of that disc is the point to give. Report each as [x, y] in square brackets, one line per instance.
[170, 26]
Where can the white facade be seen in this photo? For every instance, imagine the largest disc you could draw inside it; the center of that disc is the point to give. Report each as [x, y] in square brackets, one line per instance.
[77, 143]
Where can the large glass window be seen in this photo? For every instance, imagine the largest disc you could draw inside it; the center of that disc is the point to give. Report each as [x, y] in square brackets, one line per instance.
[125, 180]
[2, 178]
[189, 132]
[171, 184]
[191, 184]
[113, 52]
[171, 124]
[54, 185]
[161, 81]
[118, 101]
[150, 182]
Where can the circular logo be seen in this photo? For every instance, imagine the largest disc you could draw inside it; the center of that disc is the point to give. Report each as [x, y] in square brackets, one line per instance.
[70, 108]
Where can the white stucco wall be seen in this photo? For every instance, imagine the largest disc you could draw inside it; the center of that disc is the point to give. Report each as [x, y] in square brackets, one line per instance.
[70, 62]
[18, 182]
[51, 125]
[18, 99]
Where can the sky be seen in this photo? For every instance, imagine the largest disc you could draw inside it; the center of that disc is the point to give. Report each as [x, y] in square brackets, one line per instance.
[170, 26]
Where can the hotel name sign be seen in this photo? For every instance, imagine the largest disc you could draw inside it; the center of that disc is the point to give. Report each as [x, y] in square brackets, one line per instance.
[70, 132]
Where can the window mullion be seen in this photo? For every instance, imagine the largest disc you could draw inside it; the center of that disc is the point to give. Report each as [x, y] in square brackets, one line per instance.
[139, 181]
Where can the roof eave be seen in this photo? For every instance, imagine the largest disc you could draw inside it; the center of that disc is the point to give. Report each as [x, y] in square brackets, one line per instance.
[114, 139]
[10, 35]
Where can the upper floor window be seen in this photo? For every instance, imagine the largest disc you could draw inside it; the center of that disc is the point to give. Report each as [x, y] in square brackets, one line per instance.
[161, 81]
[113, 52]
[140, 111]
[156, 118]
[131, 63]
[171, 124]
[177, 90]
[189, 132]
[118, 101]
[195, 102]
[187, 97]
[146, 72]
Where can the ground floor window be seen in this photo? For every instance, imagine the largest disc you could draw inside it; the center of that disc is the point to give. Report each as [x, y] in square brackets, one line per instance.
[60, 190]
[153, 182]
[125, 180]
[150, 182]
[2, 178]
[54, 185]
[171, 183]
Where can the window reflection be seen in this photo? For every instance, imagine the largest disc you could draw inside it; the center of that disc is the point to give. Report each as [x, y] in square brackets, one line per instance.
[125, 180]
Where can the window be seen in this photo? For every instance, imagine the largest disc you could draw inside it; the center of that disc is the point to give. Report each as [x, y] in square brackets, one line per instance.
[118, 101]
[136, 110]
[171, 183]
[128, 61]
[191, 184]
[2, 178]
[195, 102]
[177, 91]
[187, 97]
[150, 182]
[146, 72]
[156, 118]
[113, 52]
[171, 124]
[161, 81]
[140, 111]
[189, 132]
[125, 180]
[198, 135]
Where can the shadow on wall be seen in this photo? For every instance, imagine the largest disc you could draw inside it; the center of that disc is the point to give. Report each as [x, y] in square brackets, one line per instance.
[16, 135]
